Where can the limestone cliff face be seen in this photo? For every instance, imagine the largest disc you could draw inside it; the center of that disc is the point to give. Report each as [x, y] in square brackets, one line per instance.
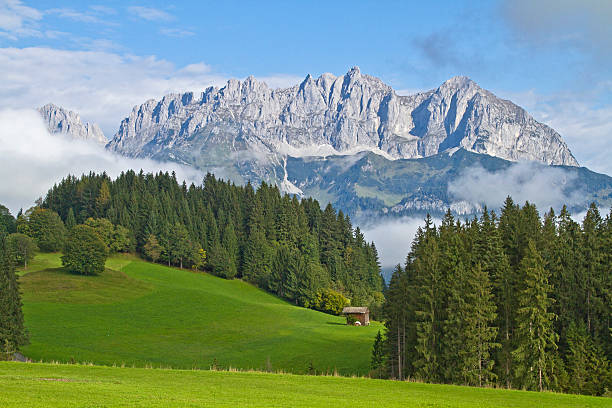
[60, 120]
[333, 115]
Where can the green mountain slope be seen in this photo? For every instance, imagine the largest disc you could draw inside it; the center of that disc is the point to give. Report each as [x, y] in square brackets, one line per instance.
[369, 183]
[138, 313]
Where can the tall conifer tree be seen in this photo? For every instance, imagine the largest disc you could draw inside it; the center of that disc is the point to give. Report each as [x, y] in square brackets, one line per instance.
[536, 339]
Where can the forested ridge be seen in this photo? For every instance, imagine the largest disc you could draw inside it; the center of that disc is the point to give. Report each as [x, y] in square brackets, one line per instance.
[290, 247]
[513, 301]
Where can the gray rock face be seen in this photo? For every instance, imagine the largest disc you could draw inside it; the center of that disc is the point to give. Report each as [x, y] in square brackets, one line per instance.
[333, 115]
[60, 120]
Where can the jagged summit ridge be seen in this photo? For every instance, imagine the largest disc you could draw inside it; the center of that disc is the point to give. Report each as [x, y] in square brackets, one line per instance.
[332, 115]
[60, 120]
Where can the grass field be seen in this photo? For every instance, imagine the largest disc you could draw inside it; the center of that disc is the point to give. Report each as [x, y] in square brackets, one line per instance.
[45, 385]
[137, 313]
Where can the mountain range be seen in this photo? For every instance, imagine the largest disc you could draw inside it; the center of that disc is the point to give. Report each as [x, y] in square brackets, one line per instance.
[349, 140]
[60, 120]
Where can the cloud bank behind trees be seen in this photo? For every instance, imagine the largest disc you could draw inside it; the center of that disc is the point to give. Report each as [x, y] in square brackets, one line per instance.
[33, 160]
[524, 181]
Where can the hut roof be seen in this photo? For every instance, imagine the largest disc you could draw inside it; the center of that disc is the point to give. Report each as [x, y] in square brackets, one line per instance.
[355, 310]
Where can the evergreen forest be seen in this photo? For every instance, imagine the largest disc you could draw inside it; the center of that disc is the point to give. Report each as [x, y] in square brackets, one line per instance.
[310, 256]
[513, 301]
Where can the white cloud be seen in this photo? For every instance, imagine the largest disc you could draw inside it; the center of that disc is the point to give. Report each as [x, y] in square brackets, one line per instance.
[176, 32]
[17, 20]
[100, 9]
[75, 15]
[393, 238]
[101, 86]
[524, 181]
[583, 25]
[150, 14]
[583, 122]
[33, 160]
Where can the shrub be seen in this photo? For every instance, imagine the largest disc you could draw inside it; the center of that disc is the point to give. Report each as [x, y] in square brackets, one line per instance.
[22, 248]
[330, 301]
[46, 227]
[85, 253]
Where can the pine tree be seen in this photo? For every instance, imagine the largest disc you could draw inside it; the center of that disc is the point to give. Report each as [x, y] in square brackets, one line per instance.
[181, 248]
[12, 331]
[396, 312]
[230, 244]
[494, 262]
[429, 305]
[70, 219]
[377, 361]
[7, 222]
[452, 292]
[594, 274]
[536, 339]
[567, 276]
[479, 333]
[588, 367]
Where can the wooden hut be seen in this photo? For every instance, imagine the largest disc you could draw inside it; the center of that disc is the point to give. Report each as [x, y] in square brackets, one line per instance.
[357, 314]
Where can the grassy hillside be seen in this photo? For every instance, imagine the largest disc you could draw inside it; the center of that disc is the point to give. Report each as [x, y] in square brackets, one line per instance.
[43, 385]
[138, 313]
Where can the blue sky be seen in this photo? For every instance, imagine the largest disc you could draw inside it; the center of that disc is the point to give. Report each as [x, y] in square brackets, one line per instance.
[101, 58]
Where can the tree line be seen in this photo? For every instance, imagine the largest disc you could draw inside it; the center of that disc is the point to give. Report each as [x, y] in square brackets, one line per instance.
[290, 247]
[12, 331]
[514, 301]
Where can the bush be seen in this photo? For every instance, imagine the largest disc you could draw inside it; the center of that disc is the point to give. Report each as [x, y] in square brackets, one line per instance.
[330, 301]
[115, 237]
[85, 253]
[45, 226]
[22, 248]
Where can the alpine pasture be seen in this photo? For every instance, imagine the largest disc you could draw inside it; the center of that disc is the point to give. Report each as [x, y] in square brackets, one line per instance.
[143, 314]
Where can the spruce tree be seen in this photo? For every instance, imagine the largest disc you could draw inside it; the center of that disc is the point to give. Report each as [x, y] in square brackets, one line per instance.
[70, 219]
[429, 305]
[587, 365]
[479, 335]
[7, 222]
[567, 276]
[230, 245]
[396, 313]
[452, 292]
[594, 273]
[12, 331]
[536, 339]
[182, 249]
[377, 361]
[494, 262]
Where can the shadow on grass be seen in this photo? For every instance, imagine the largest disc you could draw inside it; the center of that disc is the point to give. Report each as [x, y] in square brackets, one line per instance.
[336, 323]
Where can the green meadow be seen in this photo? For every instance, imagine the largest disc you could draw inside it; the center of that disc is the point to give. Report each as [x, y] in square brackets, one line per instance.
[143, 314]
[47, 385]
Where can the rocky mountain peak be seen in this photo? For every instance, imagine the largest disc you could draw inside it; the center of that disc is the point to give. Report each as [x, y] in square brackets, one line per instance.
[337, 115]
[63, 121]
[458, 82]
